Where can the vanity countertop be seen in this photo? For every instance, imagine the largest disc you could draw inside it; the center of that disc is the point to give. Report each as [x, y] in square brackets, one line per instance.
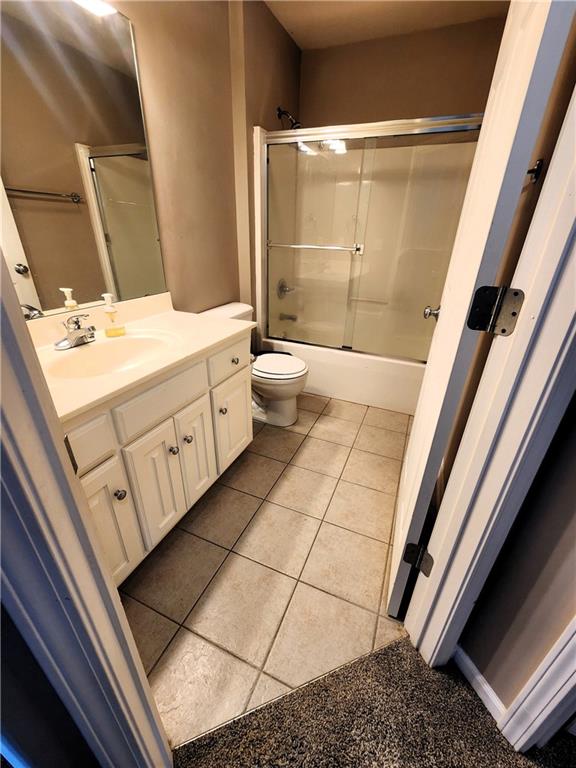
[83, 377]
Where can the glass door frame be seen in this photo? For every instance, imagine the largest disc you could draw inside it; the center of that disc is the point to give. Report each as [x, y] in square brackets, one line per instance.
[263, 139]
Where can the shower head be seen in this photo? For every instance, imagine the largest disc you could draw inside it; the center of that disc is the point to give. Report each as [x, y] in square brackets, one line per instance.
[284, 113]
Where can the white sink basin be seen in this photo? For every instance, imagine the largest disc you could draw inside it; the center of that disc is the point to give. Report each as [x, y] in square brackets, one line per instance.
[154, 345]
[107, 356]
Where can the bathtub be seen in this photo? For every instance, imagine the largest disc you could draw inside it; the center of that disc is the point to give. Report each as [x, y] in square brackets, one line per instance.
[361, 378]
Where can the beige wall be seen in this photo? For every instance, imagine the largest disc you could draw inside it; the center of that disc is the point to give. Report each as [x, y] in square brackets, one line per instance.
[184, 61]
[272, 72]
[272, 67]
[531, 594]
[444, 71]
[48, 103]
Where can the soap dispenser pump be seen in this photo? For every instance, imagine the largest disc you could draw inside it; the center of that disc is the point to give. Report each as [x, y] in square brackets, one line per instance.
[112, 329]
[69, 302]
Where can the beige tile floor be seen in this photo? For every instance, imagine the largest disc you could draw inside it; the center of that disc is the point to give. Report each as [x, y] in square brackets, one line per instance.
[277, 575]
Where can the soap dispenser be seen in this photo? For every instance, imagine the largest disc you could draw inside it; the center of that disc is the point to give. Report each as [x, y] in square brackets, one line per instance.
[69, 302]
[112, 329]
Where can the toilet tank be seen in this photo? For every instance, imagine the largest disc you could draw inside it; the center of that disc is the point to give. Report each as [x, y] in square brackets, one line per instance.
[235, 311]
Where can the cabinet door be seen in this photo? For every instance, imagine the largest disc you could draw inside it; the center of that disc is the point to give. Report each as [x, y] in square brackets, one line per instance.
[156, 479]
[196, 441]
[114, 517]
[232, 410]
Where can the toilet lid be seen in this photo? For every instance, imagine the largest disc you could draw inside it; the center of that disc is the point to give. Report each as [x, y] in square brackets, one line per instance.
[278, 366]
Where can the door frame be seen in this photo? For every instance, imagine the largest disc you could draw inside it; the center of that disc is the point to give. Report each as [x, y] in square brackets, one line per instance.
[11, 244]
[525, 388]
[63, 602]
[547, 700]
[531, 52]
[83, 154]
[543, 705]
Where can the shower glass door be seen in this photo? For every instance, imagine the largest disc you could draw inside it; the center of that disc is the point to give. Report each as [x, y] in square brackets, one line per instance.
[382, 215]
[313, 194]
[123, 187]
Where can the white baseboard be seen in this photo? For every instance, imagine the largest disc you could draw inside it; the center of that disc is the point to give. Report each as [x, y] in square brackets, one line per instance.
[484, 690]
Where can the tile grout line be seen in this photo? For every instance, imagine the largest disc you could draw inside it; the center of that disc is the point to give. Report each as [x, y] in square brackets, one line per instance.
[392, 528]
[266, 499]
[253, 687]
[351, 482]
[289, 602]
[297, 580]
[228, 552]
[353, 402]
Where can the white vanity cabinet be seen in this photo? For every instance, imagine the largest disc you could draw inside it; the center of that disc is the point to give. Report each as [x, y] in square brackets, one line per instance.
[114, 517]
[232, 409]
[170, 467]
[145, 457]
[156, 479]
[195, 438]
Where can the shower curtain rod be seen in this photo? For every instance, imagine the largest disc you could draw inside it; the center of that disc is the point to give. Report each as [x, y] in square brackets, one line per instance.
[72, 197]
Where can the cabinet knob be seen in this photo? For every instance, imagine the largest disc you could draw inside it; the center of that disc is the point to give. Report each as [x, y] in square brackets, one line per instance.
[223, 411]
[174, 450]
[120, 494]
[235, 360]
[188, 439]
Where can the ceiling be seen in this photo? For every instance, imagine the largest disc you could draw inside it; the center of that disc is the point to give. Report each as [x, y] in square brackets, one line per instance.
[324, 23]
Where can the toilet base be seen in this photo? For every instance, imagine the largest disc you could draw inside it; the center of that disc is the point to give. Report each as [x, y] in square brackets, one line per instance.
[279, 413]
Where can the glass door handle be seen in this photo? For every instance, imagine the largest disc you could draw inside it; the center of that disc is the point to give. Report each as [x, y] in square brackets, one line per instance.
[356, 248]
[429, 312]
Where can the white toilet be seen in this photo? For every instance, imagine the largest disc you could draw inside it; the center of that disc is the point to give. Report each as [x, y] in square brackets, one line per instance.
[277, 379]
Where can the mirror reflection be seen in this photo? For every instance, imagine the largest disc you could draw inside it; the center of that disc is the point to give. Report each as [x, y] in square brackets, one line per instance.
[75, 164]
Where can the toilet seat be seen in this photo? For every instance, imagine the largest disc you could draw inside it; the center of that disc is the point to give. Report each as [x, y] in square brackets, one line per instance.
[279, 367]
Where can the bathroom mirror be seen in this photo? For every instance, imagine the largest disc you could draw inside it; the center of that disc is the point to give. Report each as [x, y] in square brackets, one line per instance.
[77, 190]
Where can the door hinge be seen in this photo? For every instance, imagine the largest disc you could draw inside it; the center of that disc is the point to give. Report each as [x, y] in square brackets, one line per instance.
[495, 309]
[536, 171]
[418, 556]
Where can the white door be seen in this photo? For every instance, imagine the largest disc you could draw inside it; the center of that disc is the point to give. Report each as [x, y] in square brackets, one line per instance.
[232, 409]
[532, 46]
[16, 260]
[114, 517]
[156, 479]
[195, 435]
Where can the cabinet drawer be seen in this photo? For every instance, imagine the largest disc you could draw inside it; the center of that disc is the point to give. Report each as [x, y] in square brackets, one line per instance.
[225, 363]
[92, 442]
[144, 411]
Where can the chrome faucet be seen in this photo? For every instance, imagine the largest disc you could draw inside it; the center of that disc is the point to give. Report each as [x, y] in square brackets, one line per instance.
[31, 312]
[76, 333]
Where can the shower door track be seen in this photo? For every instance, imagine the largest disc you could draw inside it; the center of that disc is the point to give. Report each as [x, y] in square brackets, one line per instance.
[421, 125]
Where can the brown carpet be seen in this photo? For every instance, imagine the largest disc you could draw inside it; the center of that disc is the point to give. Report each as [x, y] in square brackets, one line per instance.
[386, 710]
